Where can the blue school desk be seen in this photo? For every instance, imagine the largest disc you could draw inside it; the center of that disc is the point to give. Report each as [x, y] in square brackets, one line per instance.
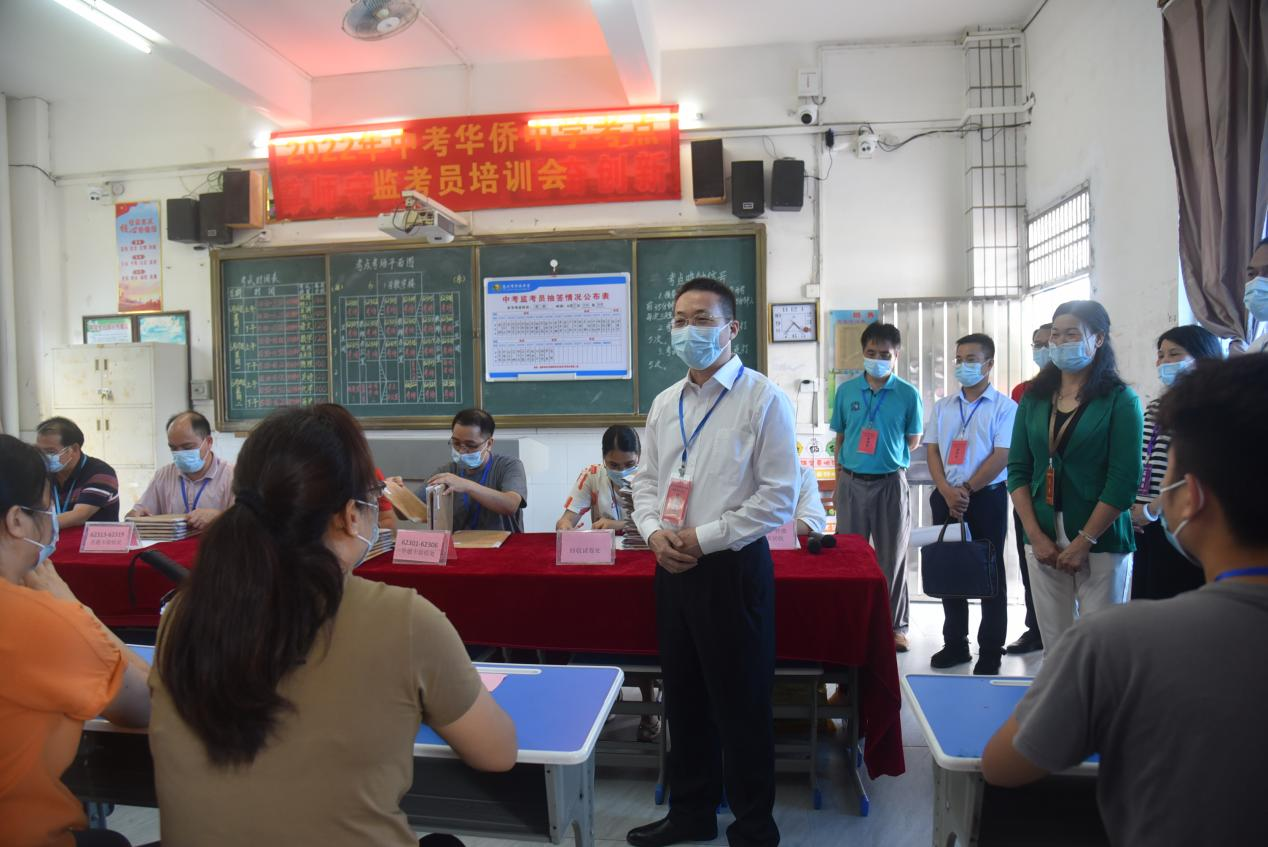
[558, 712]
[958, 715]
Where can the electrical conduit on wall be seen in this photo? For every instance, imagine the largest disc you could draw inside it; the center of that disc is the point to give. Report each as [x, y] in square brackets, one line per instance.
[8, 291]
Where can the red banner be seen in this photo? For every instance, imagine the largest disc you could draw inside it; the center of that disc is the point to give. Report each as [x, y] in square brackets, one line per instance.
[478, 162]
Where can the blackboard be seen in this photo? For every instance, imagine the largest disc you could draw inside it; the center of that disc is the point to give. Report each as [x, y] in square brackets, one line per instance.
[401, 332]
[666, 263]
[399, 343]
[274, 315]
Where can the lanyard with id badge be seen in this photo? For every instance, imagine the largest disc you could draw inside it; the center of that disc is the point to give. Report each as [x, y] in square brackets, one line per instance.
[674, 512]
[1054, 438]
[960, 444]
[869, 435]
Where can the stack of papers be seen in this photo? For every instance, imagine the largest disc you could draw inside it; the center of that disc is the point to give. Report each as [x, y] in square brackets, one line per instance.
[385, 542]
[632, 539]
[162, 527]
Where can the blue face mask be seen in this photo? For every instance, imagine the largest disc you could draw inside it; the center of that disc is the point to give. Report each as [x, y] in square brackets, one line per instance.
[621, 476]
[1041, 356]
[879, 368]
[1173, 536]
[1072, 356]
[188, 461]
[470, 461]
[1257, 298]
[46, 550]
[698, 346]
[1168, 371]
[968, 373]
[54, 461]
[374, 535]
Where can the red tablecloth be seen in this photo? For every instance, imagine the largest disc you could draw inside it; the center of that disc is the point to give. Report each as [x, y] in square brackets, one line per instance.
[830, 608]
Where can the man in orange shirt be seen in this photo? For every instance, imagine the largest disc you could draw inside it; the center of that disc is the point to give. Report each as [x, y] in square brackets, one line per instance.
[59, 664]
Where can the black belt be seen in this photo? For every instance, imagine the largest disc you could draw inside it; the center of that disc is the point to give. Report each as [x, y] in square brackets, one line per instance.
[990, 487]
[867, 477]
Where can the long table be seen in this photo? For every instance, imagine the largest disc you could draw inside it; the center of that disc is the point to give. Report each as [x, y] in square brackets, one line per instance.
[831, 608]
[558, 713]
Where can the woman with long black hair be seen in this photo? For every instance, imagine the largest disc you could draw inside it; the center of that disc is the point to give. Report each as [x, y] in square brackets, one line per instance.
[287, 692]
[1073, 470]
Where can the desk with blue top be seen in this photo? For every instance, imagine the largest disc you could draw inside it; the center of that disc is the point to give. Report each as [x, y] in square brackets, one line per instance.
[558, 712]
[958, 715]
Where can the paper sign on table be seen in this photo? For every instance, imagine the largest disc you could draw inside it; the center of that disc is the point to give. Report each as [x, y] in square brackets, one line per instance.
[585, 547]
[101, 537]
[492, 680]
[421, 547]
[784, 538]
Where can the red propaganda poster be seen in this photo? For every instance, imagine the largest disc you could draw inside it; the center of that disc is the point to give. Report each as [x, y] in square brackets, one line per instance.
[478, 162]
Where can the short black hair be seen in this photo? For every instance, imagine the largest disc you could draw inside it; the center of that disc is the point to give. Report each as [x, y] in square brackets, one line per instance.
[197, 422]
[880, 332]
[63, 428]
[22, 475]
[621, 437]
[981, 339]
[477, 418]
[1042, 328]
[711, 285]
[1215, 416]
[1196, 341]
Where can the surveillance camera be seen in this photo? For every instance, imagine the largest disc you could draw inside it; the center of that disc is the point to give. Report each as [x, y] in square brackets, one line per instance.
[808, 114]
[96, 193]
[866, 146]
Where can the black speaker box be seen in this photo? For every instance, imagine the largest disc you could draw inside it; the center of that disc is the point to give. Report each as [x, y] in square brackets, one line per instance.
[707, 177]
[748, 193]
[182, 220]
[211, 219]
[244, 198]
[787, 185]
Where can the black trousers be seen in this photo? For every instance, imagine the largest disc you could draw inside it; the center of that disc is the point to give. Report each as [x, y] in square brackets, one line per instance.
[716, 628]
[1032, 623]
[987, 517]
[1158, 569]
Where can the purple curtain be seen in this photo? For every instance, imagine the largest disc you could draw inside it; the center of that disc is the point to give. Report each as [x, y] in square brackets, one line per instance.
[1216, 56]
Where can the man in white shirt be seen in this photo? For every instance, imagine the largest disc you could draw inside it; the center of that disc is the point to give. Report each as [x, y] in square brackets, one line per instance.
[968, 437]
[719, 472]
[811, 517]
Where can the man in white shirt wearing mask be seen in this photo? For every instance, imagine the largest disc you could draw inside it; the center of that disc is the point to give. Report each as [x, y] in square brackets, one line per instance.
[1257, 295]
[197, 483]
[719, 472]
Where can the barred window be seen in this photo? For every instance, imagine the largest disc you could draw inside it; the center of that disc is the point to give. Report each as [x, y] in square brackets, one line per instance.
[1059, 241]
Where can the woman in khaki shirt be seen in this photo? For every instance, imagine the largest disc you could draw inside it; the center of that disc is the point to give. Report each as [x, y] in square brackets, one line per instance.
[287, 692]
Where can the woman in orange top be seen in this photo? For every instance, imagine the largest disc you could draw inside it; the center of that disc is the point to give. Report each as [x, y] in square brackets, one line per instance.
[59, 664]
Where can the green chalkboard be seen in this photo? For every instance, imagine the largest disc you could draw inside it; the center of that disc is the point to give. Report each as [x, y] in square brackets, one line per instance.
[583, 398]
[401, 332]
[274, 318]
[666, 263]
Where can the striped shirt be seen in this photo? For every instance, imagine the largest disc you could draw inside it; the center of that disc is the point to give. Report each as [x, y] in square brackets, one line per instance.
[1153, 455]
[93, 483]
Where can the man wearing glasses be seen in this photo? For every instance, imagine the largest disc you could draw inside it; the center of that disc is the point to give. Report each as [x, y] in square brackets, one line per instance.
[490, 491]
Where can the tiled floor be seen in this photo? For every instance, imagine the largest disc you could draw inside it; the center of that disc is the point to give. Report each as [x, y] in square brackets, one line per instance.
[901, 808]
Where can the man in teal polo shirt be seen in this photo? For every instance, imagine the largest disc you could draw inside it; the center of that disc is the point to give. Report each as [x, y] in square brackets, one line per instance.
[878, 419]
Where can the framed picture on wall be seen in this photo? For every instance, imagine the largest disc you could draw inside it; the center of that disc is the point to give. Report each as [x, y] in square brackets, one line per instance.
[163, 327]
[109, 329]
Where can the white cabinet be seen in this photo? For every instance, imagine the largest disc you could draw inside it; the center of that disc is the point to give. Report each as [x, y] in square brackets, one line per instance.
[121, 396]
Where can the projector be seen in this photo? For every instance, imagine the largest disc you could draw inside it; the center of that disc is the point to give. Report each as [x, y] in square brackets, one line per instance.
[422, 219]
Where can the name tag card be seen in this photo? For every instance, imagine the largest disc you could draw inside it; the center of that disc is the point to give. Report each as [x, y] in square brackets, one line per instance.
[585, 547]
[100, 537]
[421, 547]
[959, 450]
[867, 441]
[784, 538]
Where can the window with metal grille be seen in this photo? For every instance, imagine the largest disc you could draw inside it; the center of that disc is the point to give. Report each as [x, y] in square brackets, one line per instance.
[1059, 241]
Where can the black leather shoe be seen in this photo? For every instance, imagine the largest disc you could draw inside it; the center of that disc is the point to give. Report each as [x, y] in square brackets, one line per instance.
[950, 656]
[665, 832]
[1029, 642]
[987, 665]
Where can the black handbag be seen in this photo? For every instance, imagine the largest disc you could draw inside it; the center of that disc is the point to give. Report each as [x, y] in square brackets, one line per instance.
[959, 569]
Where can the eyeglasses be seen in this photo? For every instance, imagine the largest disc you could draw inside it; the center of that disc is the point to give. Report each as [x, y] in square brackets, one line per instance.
[374, 506]
[467, 446]
[56, 451]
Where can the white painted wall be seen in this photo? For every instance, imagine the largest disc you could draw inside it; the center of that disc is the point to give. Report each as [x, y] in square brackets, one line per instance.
[1097, 72]
[891, 226]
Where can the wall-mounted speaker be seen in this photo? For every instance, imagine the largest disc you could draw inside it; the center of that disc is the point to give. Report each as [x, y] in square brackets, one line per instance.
[211, 219]
[708, 185]
[787, 185]
[182, 220]
[245, 201]
[748, 191]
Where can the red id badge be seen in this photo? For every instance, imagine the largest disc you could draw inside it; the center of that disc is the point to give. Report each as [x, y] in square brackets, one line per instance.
[867, 441]
[1050, 486]
[674, 512]
[959, 449]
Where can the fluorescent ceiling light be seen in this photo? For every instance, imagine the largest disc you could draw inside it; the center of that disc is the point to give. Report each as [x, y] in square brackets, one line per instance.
[113, 21]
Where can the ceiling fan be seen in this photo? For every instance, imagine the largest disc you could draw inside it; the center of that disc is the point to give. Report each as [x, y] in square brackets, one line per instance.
[371, 20]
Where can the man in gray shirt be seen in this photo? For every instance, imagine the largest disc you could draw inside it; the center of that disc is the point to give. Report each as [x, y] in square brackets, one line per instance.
[1173, 694]
[490, 491]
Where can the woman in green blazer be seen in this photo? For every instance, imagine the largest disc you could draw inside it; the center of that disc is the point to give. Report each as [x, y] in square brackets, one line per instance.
[1073, 470]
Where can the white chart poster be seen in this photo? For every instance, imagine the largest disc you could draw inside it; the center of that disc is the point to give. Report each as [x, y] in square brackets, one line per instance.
[557, 327]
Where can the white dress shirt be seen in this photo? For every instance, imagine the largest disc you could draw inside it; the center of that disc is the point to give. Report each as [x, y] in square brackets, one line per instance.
[990, 426]
[742, 467]
[809, 503]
